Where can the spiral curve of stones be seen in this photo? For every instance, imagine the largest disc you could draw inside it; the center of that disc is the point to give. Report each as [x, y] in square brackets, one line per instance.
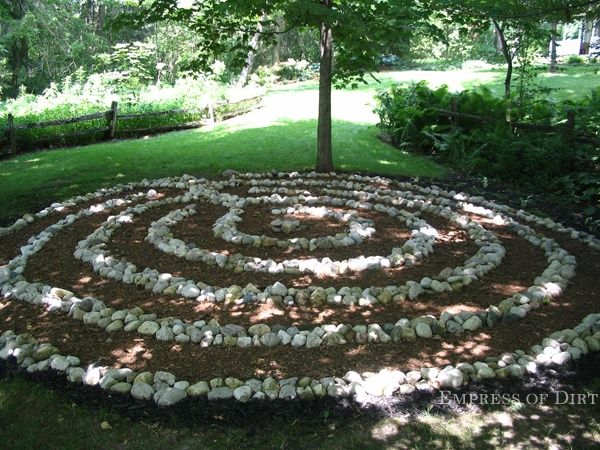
[286, 194]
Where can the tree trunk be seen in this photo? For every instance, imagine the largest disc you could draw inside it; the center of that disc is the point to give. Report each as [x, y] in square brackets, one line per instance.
[324, 155]
[276, 51]
[88, 12]
[101, 18]
[497, 43]
[586, 37]
[18, 54]
[250, 58]
[507, 56]
[553, 63]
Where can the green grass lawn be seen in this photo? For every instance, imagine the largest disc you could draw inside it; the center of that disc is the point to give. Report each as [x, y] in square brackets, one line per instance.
[279, 136]
[35, 417]
[275, 137]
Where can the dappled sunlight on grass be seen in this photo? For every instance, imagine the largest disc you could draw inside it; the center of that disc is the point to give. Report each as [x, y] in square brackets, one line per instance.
[280, 135]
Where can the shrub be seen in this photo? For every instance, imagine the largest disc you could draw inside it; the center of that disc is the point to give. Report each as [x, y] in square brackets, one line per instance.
[188, 98]
[389, 60]
[575, 60]
[290, 70]
[416, 118]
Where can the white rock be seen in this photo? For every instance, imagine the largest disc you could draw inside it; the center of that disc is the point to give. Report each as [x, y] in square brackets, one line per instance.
[450, 378]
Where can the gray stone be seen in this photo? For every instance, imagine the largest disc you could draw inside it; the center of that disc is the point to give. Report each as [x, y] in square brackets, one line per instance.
[198, 389]
[132, 326]
[183, 385]
[60, 363]
[333, 339]
[44, 353]
[164, 377]
[472, 323]
[116, 325]
[142, 391]
[313, 340]
[190, 291]
[454, 327]
[436, 286]
[287, 392]
[220, 393]
[284, 337]
[270, 339]
[144, 377]
[259, 329]
[299, 340]
[148, 328]
[516, 370]
[121, 387]
[165, 334]
[423, 330]
[269, 384]
[305, 393]
[318, 296]
[244, 341]
[242, 393]
[107, 382]
[414, 291]
[169, 396]
[233, 383]
[279, 289]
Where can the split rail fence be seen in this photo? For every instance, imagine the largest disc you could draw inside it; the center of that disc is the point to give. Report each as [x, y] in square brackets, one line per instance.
[11, 143]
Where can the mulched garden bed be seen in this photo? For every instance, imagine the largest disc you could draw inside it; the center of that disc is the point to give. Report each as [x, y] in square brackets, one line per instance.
[55, 265]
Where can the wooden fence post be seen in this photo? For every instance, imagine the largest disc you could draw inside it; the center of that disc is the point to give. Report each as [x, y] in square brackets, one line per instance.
[571, 122]
[454, 109]
[211, 113]
[12, 136]
[112, 125]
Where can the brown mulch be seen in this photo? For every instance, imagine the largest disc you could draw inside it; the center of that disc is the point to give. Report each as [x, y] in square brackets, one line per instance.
[454, 242]
[192, 362]
[11, 243]
[56, 265]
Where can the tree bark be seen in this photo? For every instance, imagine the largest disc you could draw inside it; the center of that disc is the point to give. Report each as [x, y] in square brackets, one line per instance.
[324, 154]
[586, 37]
[243, 79]
[101, 18]
[497, 43]
[553, 62]
[18, 54]
[507, 56]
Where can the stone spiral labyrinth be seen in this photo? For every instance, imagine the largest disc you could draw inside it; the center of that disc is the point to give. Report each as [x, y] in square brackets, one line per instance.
[292, 286]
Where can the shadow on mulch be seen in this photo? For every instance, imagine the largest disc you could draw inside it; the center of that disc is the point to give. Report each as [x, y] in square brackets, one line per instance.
[193, 412]
[563, 209]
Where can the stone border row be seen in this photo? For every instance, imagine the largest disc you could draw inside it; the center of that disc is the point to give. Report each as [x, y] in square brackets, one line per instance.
[95, 312]
[416, 248]
[165, 390]
[488, 257]
[351, 181]
[359, 229]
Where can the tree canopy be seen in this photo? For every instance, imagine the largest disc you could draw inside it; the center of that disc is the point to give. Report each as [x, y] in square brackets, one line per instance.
[353, 35]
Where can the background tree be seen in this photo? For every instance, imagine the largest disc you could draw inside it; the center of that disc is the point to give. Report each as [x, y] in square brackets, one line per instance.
[352, 36]
[518, 24]
[42, 41]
